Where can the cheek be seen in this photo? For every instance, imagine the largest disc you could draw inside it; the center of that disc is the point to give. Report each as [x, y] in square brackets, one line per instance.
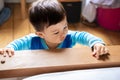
[55, 39]
[51, 38]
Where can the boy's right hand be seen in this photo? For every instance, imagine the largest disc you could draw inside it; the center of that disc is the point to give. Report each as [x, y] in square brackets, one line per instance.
[7, 52]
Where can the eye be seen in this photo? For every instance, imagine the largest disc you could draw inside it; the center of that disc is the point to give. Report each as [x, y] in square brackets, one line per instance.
[56, 33]
[65, 27]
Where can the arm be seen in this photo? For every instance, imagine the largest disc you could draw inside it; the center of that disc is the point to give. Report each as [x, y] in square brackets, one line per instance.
[23, 43]
[97, 44]
[85, 38]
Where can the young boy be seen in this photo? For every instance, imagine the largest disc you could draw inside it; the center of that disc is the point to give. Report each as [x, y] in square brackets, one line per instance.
[48, 17]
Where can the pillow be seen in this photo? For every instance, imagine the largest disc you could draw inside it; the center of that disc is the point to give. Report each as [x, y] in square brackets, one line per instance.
[89, 74]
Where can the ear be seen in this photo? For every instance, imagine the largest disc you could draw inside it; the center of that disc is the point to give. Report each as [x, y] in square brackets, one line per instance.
[40, 34]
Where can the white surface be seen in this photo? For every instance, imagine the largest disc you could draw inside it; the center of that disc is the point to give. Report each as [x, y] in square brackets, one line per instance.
[15, 78]
[90, 74]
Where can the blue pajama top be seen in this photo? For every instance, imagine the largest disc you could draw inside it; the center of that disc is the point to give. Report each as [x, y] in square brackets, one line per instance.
[34, 42]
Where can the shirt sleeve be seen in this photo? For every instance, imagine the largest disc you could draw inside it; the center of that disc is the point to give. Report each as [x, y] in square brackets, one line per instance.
[85, 38]
[23, 43]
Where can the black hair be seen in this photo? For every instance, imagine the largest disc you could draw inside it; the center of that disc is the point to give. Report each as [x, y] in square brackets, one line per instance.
[44, 13]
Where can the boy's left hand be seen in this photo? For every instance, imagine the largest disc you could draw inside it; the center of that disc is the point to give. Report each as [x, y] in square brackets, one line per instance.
[100, 50]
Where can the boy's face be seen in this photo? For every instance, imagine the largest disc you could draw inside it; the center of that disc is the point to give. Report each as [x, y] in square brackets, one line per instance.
[55, 33]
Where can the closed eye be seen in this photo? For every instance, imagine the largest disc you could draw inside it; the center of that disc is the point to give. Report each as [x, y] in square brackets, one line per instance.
[56, 33]
[65, 27]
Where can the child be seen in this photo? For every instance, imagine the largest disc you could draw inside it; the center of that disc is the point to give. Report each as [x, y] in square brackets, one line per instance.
[48, 17]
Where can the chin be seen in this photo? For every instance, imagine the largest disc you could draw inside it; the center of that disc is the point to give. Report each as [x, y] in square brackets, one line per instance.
[59, 42]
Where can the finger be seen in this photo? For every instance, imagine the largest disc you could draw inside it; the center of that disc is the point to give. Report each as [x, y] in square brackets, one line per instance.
[10, 53]
[98, 52]
[4, 53]
[106, 50]
[94, 52]
[1, 51]
[102, 52]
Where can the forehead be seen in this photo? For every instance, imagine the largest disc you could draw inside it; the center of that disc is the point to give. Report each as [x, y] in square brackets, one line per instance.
[57, 26]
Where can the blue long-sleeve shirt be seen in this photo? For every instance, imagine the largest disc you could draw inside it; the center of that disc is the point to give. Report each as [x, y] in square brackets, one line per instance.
[33, 42]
